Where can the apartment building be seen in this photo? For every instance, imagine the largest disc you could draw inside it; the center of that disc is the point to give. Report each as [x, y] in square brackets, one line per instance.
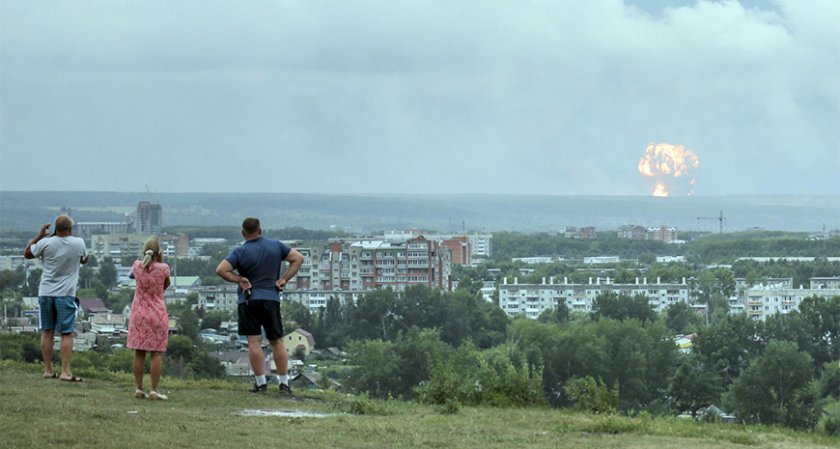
[117, 246]
[479, 244]
[764, 300]
[459, 248]
[149, 218]
[533, 299]
[221, 298]
[344, 269]
[87, 229]
[663, 233]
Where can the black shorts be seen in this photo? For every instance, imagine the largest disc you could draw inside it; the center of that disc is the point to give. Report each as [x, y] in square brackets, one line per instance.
[258, 313]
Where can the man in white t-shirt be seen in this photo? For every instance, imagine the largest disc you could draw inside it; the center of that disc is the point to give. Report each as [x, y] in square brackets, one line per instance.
[61, 256]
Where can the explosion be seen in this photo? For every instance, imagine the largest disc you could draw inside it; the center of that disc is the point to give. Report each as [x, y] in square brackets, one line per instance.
[670, 167]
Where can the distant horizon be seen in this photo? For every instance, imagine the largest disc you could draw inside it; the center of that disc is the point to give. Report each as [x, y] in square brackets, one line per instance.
[356, 212]
[199, 192]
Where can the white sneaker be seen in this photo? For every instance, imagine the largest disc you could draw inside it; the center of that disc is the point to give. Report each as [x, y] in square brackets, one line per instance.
[140, 394]
[155, 396]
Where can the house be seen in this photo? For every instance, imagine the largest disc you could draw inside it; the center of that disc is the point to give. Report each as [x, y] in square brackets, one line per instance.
[313, 380]
[108, 324]
[299, 339]
[92, 306]
[685, 342]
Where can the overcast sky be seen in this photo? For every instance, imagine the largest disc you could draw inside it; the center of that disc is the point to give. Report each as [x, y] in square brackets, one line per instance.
[441, 96]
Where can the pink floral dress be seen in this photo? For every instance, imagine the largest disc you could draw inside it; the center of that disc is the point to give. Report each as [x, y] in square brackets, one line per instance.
[148, 325]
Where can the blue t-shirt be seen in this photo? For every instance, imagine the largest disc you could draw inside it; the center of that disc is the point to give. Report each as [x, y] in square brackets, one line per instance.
[260, 260]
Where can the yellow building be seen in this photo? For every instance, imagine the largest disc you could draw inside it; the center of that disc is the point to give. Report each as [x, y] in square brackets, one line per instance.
[299, 339]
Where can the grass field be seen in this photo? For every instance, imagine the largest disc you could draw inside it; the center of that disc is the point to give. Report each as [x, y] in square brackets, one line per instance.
[102, 413]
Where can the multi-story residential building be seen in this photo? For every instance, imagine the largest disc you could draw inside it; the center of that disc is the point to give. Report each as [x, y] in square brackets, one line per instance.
[418, 261]
[117, 246]
[742, 285]
[149, 218]
[459, 248]
[315, 300]
[345, 269]
[765, 300]
[633, 232]
[664, 233]
[479, 244]
[533, 299]
[220, 298]
[819, 283]
[667, 234]
[87, 229]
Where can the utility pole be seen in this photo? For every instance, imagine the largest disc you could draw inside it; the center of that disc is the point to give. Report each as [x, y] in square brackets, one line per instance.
[719, 218]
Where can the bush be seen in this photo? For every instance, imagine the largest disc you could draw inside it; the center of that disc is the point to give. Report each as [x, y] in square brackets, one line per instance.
[362, 405]
[20, 347]
[830, 422]
[590, 395]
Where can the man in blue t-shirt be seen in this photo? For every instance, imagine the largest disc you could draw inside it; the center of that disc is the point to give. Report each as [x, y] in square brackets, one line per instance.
[255, 266]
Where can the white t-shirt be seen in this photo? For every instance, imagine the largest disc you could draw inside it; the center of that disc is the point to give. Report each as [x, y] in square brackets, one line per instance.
[61, 258]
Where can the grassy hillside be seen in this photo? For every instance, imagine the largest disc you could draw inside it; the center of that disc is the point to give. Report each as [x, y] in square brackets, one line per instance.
[103, 413]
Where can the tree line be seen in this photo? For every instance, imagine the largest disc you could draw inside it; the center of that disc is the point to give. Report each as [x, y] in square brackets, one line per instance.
[455, 347]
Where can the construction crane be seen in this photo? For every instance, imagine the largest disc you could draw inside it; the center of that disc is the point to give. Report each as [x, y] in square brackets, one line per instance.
[719, 218]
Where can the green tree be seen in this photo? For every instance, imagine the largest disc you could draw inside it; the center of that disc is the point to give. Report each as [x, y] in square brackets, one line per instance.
[297, 315]
[821, 318]
[622, 307]
[775, 389]
[108, 273]
[188, 323]
[205, 366]
[375, 369]
[729, 346]
[680, 318]
[559, 314]
[829, 382]
[373, 316]
[693, 387]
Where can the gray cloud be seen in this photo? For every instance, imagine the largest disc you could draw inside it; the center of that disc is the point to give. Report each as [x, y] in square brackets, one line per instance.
[413, 97]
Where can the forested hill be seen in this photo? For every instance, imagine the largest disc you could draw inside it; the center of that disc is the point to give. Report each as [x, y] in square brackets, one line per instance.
[446, 213]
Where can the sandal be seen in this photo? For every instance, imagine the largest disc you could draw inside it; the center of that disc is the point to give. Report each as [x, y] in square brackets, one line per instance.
[50, 375]
[140, 394]
[155, 396]
[71, 379]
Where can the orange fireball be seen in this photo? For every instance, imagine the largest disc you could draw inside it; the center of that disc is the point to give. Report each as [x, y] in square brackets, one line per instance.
[670, 167]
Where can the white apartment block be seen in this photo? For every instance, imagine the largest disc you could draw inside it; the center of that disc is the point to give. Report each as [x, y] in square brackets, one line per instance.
[221, 298]
[533, 299]
[130, 245]
[599, 260]
[764, 300]
[116, 246]
[315, 300]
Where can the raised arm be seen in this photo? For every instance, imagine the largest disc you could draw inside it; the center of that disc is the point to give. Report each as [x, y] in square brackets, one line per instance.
[27, 253]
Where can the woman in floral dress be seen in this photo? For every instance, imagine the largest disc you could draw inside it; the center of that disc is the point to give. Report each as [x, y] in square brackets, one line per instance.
[148, 325]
